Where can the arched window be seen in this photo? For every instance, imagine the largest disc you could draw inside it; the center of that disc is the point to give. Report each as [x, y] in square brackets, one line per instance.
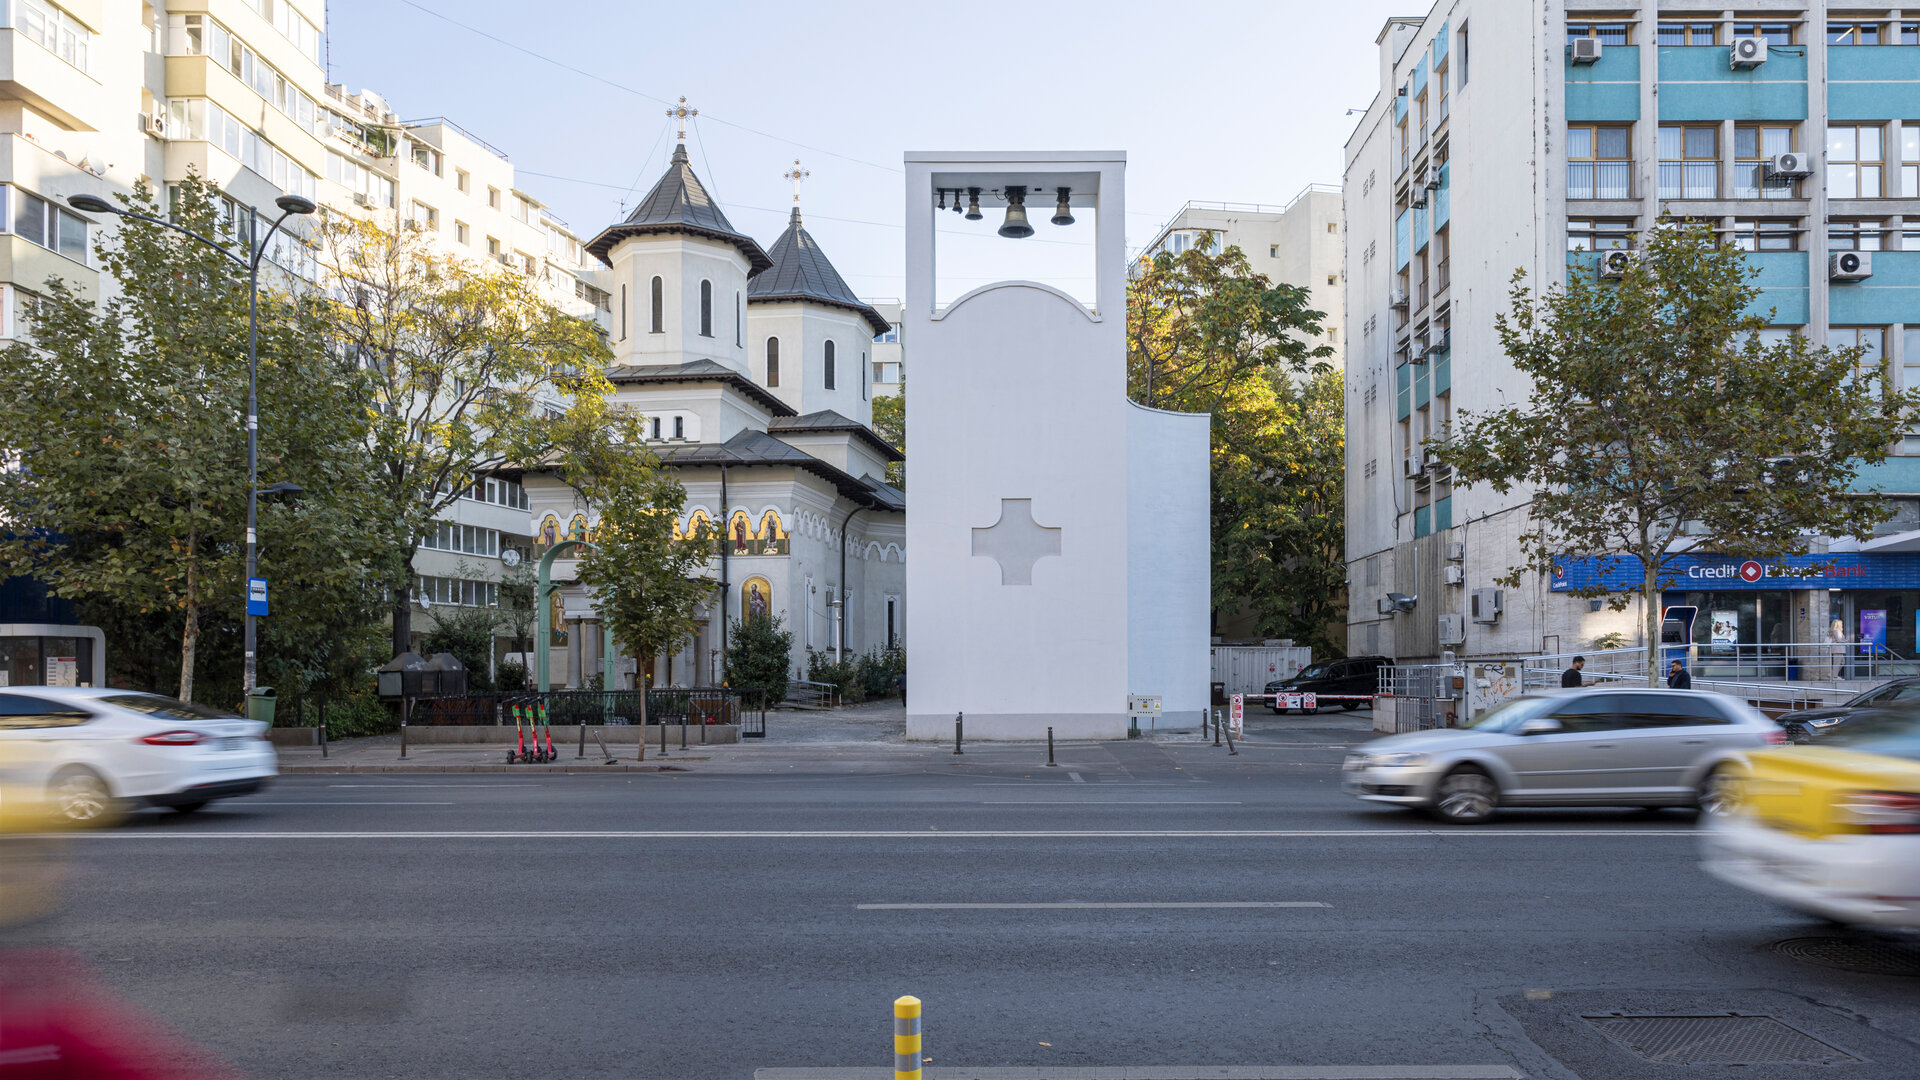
[829, 365]
[706, 309]
[659, 306]
[623, 311]
[773, 361]
[863, 376]
[738, 329]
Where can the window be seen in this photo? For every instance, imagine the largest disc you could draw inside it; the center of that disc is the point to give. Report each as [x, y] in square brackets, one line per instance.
[679, 427]
[522, 208]
[1872, 340]
[659, 302]
[1853, 33]
[493, 246]
[1766, 234]
[1598, 162]
[1273, 251]
[466, 539]
[424, 216]
[623, 311]
[1754, 145]
[1332, 227]
[1406, 146]
[1910, 33]
[863, 377]
[773, 361]
[738, 329]
[1333, 279]
[600, 298]
[1460, 43]
[427, 157]
[528, 265]
[1703, 33]
[891, 335]
[1599, 234]
[1608, 33]
[46, 224]
[1423, 119]
[1689, 161]
[1856, 235]
[829, 365]
[1777, 34]
[52, 29]
[462, 180]
[459, 592]
[369, 188]
[656, 427]
[1854, 161]
[1910, 160]
[506, 493]
[706, 309]
[1440, 77]
[1910, 359]
[201, 120]
[493, 197]
[198, 35]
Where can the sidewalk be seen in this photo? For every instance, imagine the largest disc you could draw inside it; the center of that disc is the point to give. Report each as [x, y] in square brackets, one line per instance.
[869, 735]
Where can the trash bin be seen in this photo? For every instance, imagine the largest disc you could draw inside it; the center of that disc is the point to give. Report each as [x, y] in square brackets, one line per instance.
[260, 705]
[1219, 693]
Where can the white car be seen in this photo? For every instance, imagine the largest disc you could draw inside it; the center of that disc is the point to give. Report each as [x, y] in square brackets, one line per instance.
[84, 753]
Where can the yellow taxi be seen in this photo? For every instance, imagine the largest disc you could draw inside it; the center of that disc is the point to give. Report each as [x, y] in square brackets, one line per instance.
[1832, 830]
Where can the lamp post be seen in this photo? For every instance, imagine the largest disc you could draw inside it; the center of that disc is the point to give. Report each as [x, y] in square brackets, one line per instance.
[256, 250]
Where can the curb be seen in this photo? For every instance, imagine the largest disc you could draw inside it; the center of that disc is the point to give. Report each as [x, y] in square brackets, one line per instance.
[575, 770]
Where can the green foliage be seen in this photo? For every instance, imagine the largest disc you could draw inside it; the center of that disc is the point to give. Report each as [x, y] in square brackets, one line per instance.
[359, 714]
[1614, 640]
[516, 611]
[757, 656]
[859, 677]
[890, 423]
[512, 675]
[461, 357]
[128, 422]
[1658, 415]
[467, 634]
[1206, 334]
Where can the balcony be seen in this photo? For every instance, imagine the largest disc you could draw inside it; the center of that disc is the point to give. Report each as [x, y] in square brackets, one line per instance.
[1442, 275]
[1599, 180]
[50, 85]
[1689, 180]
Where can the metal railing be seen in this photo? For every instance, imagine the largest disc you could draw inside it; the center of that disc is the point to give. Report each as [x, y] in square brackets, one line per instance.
[802, 694]
[666, 705]
[1803, 674]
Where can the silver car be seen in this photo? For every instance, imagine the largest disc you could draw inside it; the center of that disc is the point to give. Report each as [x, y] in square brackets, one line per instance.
[1600, 747]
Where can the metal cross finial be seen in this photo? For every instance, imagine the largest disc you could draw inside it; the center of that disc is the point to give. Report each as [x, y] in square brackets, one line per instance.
[796, 174]
[681, 112]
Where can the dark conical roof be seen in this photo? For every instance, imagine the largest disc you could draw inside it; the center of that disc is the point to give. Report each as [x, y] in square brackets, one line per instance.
[679, 203]
[801, 271]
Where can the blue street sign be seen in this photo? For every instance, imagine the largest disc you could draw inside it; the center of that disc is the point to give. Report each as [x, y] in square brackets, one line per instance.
[257, 596]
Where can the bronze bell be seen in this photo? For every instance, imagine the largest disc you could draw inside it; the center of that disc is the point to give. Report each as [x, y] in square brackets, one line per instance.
[973, 203]
[1016, 227]
[1063, 209]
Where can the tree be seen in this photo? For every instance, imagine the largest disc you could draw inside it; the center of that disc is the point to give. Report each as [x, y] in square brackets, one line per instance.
[127, 423]
[1206, 334]
[466, 362]
[1662, 422]
[758, 654]
[518, 617]
[467, 634]
[890, 423]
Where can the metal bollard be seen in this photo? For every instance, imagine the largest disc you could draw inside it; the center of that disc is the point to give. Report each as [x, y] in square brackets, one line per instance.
[663, 738]
[583, 741]
[1216, 729]
[957, 718]
[1231, 752]
[1051, 764]
[683, 735]
[906, 1038]
[1203, 725]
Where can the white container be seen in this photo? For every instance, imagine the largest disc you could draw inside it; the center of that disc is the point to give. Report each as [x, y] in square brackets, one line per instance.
[1247, 669]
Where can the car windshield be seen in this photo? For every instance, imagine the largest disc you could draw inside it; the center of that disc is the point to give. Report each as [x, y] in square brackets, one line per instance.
[1892, 734]
[1510, 714]
[1315, 671]
[169, 708]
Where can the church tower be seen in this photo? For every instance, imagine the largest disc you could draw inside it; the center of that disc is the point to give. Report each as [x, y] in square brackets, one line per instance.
[680, 273]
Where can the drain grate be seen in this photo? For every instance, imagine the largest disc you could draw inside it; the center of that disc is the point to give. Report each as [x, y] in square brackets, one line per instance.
[1717, 1040]
[1867, 955]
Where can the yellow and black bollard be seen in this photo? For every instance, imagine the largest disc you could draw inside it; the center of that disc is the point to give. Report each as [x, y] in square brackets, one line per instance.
[906, 1038]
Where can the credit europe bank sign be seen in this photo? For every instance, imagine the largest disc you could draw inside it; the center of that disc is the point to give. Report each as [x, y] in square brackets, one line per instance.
[1851, 570]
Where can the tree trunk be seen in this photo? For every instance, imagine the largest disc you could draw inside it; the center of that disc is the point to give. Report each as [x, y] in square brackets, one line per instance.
[190, 636]
[642, 740]
[1650, 600]
[402, 620]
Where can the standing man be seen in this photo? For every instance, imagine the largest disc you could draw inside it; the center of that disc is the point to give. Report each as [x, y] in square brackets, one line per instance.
[1571, 676]
[1677, 677]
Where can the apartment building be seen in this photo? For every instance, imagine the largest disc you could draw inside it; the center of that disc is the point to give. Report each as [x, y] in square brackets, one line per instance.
[889, 357]
[1508, 135]
[96, 97]
[1299, 243]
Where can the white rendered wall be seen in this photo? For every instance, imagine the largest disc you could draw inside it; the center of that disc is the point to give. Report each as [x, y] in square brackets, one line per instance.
[681, 262]
[804, 330]
[1169, 562]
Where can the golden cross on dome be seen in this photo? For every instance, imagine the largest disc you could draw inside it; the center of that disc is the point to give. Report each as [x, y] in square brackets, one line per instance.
[681, 112]
[796, 174]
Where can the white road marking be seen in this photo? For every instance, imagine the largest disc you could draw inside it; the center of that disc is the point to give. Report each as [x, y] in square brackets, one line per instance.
[344, 802]
[1165, 1072]
[1077, 778]
[886, 834]
[396, 786]
[1076, 905]
[1110, 802]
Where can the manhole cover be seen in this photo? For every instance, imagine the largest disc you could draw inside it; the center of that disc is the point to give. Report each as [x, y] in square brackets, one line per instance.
[1867, 955]
[1717, 1040]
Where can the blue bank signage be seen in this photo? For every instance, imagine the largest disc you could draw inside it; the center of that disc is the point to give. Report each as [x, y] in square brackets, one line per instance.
[1850, 570]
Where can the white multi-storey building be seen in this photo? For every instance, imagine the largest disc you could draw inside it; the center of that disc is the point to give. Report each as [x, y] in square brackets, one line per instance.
[1517, 136]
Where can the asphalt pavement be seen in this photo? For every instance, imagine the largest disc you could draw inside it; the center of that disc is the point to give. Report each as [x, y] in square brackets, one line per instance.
[1148, 909]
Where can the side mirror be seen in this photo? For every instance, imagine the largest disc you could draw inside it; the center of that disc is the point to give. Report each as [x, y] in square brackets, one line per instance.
[1540, 725]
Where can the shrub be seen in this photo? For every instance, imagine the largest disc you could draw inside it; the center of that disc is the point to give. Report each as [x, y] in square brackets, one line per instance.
[359, 714]
[757, 656]
[512, 675]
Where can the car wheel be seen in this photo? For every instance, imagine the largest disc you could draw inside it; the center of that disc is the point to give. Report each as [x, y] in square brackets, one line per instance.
[189, 807]
[78, 796]
[1719, 793]
[1349, 705]
[1466, 796]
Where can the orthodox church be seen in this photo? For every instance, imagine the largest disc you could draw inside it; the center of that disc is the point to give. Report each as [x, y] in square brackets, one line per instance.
[751, 368]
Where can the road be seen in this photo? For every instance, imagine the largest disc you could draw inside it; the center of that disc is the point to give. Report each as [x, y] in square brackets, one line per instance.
[720, 922]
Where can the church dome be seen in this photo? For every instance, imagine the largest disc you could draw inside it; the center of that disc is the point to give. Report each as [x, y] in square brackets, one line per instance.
[801, 271]
[679, 203]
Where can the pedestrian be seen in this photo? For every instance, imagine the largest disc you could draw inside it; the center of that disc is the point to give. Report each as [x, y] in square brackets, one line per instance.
[1571, 676]
[1677, 677]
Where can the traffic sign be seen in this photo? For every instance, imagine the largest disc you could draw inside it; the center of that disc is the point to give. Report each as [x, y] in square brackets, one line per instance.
[257, 596]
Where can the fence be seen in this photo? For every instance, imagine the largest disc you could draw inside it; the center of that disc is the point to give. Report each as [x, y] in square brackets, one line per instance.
[667, 705]
[1423, 694]
[1789, 674]
[802, 694]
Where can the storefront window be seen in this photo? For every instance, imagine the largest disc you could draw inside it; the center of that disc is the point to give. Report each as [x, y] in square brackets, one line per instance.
[1739, 634]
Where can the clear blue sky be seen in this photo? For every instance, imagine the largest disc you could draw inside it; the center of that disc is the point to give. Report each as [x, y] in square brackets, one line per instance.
[1242, 102]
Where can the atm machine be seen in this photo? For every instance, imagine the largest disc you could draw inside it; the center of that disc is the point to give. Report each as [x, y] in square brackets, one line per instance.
[1676, 636]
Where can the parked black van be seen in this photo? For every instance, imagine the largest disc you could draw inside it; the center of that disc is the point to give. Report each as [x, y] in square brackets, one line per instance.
[1354, 676]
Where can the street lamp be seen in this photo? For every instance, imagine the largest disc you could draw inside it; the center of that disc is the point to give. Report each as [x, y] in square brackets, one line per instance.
[256, 250]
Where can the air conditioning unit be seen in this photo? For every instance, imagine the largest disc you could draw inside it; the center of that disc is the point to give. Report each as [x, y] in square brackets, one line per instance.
[1453, 575]
[1386, 606]
[1433, 178]
[1457, 551]
[1614, 264]
[1444, 343]
[1747, 52]
[1586, 50]
[1399, 301]
[1418, 354]
[1453, 630]
[1789, 166]
[1486, 605]
[1849, 266]
[361, 198]
[1412, 464]
[1419, 198]
[154, 124]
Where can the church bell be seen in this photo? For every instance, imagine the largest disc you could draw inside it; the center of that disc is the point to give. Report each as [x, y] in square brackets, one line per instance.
[973, 203]
[1016, 227]
[1063, 209]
